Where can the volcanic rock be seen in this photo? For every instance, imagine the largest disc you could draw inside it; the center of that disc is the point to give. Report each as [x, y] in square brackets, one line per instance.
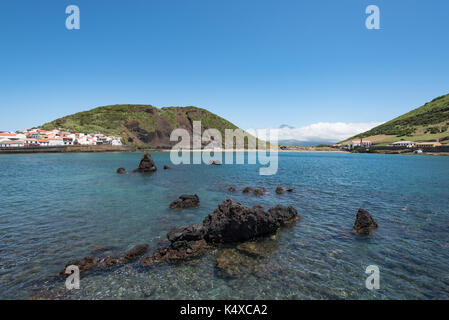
[232, 222]
[186, 233]
[259, 192]
[247, 190]
[176, 251]
[364, 222]
[186, 201]
[83, 264]
[136, 251]
[146, 164]
[280, 190]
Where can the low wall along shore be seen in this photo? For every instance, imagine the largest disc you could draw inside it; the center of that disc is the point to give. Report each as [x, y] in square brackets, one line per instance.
[73, 148]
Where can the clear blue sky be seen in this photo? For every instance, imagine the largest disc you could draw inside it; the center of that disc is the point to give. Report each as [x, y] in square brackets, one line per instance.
[256, 63]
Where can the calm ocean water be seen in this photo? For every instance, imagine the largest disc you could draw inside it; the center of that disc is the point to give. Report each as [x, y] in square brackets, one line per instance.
[56, 207]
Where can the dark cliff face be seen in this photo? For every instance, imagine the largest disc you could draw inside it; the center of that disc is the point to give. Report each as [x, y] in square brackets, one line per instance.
[141, 125]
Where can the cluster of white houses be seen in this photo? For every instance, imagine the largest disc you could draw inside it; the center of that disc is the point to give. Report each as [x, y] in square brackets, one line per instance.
[400, 144]
[38, 137]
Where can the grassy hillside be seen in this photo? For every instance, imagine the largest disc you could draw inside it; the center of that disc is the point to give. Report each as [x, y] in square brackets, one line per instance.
[140, 125]
[428, 122]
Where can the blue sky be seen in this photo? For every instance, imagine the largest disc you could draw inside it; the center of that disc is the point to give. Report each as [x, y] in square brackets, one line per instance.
[256, 63]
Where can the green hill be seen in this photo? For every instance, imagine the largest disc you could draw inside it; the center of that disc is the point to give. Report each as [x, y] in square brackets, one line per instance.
[426, 123]
[140, 125]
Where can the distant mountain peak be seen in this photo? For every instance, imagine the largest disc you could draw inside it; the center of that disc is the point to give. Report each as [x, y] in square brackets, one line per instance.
[282, 126]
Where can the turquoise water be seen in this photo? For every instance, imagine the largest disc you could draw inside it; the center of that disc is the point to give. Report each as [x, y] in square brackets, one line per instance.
[56, 207]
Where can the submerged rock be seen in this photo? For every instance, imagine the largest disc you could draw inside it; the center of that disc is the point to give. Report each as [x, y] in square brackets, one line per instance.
[186, 201]
[83, 264]
[247, 190]
[109, 261]
[364, 222]
[280, 190]
[186, 233]
[121, 170]
[136, 251]
[176, 251]
[146, 164]
[232, 222]
[232, 263]
[232, 189]
[284, 215]
[259, 192]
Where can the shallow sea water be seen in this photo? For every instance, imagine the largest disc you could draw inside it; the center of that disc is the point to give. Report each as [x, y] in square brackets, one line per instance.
[57, 207]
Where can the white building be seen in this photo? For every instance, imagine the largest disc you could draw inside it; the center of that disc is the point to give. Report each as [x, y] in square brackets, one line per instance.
[55, 142]
[10, 143]
[7, 136]
[407, 144]
[359, 143]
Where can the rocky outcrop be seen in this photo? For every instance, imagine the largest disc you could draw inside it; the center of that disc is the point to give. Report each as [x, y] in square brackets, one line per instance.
[136, 251]
[186, 201]
[284, 215]
[259, 192]
[232, 189]
[280, 190]
[232, 222]
[291, 190]
[121, 170]
[146, 164]
[229, 223]
[83, 264]
[185, 242]
[364, 222]
[87, 263]
[186, 233]
[247, 190]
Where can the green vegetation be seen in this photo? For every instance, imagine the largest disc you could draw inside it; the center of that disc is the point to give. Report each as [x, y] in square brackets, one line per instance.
[428, 122]
[140, 125]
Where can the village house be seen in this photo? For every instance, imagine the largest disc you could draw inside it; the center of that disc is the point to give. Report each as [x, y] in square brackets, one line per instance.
[10, 143]
[44, 142]
[67, 140]
[356, 144]
[428, 144]
[407, 144]
[31, 142]
[55, 142]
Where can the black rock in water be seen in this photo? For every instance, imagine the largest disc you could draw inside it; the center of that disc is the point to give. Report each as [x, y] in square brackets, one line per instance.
[247, 190]
[364, 222]
[121, 170]
[146, 164]
[186, 201]
[186, 233]
[280, 190]
[232, 222]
